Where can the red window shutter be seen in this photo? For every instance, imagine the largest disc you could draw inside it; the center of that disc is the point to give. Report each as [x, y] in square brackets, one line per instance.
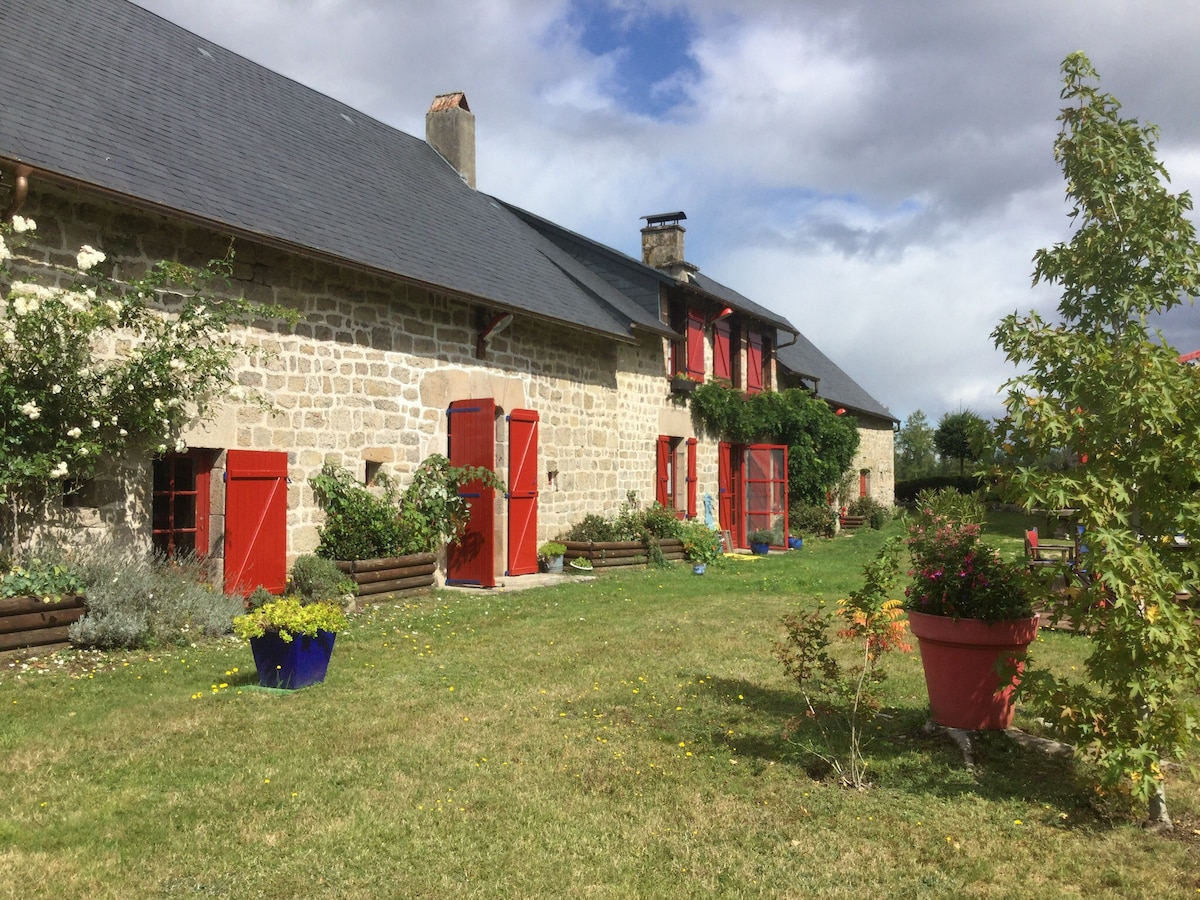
[255, 521]
[754, 363]
[722, 360]
[691, 478]
[725, 486]
[695, 345]
[662, 491]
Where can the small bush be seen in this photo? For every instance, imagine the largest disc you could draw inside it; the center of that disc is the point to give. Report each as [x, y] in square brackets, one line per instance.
[314, 579]
[592, 527]
[138, 601]
[816, 521]
[872, 510]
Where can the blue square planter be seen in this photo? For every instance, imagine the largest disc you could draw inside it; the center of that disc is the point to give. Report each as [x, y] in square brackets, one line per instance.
[292, 664]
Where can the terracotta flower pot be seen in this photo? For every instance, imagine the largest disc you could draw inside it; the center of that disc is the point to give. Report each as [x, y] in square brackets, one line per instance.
[961, 658]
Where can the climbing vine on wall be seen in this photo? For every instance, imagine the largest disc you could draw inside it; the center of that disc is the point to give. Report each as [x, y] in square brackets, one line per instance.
[821, 445]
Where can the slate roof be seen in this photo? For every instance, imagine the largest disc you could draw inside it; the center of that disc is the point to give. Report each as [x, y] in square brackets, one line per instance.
[638, 281]
[803, 358]
[106, 93]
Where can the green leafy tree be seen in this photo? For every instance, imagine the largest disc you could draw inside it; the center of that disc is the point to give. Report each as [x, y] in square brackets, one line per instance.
[1103, 387]
[915, 455]
[92, 368]
[963, 436]
[821, 445]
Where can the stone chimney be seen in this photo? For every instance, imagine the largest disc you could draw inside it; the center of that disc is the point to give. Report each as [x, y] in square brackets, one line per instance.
[662, 244]
[450, 130]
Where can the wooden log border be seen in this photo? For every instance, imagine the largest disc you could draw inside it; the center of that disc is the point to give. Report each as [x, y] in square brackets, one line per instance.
[29, 622]
[391, 575]
[606, 554]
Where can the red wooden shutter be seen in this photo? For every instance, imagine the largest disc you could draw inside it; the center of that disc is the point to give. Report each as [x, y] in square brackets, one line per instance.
[662, 491]
[522, 492]
[754, 363]
[722, 359]
[695, 345]
[472, 442]
[691, 478]
[725, 487]
[255, 521]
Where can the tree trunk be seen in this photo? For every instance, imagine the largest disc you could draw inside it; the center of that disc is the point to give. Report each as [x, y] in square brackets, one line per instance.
[1159, 820]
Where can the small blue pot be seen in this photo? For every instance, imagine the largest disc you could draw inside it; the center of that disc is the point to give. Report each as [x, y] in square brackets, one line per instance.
[795, 543]
[760, 549]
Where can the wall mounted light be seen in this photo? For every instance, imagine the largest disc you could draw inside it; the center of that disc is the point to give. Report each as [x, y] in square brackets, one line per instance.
[723, 314]
[498, 323]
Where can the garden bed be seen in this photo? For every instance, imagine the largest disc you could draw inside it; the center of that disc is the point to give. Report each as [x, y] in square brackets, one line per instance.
[31, 622]
[392, 574]
[606, 554]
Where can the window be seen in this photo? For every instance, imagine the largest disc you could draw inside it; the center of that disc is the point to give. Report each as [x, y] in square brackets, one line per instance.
[687, 356]
[676, 483]
[864, 483]
[180, 506]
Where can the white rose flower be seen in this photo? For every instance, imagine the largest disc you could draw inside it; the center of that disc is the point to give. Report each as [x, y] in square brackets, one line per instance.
[59, 471]
[178, 365]
[113, 420]
[74, 432]
[56, 388]
[31, 409]
[88, 257]
[83, 451]
[10, 337]
[180, 446]
[95, 423]
[113, 305]
[20, 225]
[124, 433]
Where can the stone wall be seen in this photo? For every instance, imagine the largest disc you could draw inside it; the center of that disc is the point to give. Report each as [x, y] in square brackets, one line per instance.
[367, 375]
[876, 455]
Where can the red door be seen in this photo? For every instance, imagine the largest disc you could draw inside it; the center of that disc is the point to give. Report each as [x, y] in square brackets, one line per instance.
[764, 490]
[726, 493]
[255, 521]
[522, 492]
[472, 440]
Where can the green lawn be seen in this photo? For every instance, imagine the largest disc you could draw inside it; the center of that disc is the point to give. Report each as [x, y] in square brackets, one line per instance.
[620, 738]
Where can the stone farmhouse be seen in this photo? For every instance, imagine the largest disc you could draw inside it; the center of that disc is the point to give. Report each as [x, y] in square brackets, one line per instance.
[434, 318]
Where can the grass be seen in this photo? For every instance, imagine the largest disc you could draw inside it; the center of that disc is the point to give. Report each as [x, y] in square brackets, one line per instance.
[619, 738]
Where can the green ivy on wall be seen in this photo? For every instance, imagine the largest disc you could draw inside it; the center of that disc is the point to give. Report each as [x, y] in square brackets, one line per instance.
[821, 445]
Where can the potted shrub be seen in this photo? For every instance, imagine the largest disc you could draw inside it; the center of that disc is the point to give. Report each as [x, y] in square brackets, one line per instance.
[971, 614]
[551, 554]
[760, 541]
[701, 546]
[291, 640]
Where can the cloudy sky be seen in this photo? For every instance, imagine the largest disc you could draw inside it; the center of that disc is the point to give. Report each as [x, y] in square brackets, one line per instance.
[878, 171]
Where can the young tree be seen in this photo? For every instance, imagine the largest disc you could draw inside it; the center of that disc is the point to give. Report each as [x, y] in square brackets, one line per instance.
[962, 436]
[1109, 391]
[914, 447]
[92, 368]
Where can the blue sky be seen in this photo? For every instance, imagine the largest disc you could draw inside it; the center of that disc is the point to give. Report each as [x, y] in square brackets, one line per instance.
[880, 173]
[648, 48]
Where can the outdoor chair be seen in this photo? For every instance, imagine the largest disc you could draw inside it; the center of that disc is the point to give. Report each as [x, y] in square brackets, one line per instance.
[1038, 554]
